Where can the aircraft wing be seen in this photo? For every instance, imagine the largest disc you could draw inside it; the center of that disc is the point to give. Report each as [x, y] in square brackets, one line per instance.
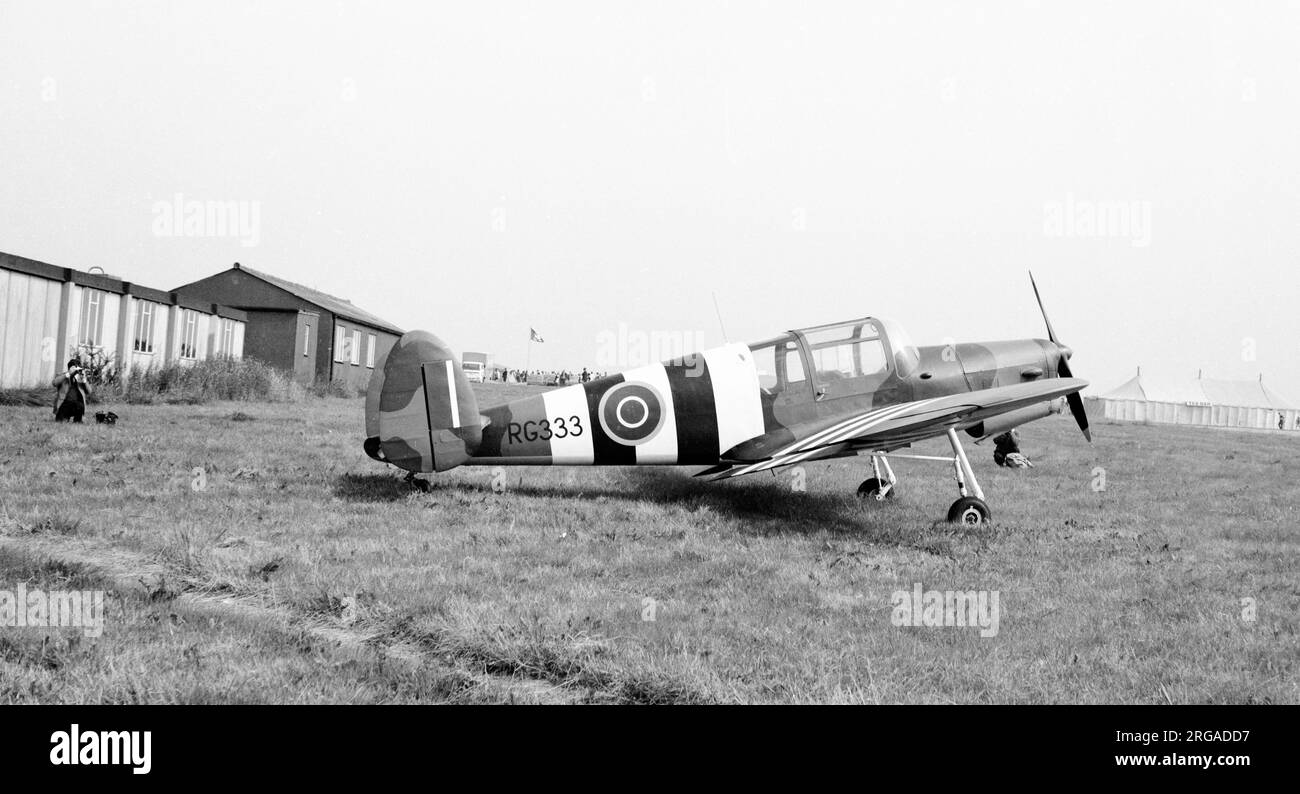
[890, 427]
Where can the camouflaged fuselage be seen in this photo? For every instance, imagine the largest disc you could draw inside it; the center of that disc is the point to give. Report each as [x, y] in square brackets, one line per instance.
[703, 409]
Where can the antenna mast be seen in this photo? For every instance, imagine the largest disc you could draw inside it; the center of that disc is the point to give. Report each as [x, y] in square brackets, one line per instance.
[718, 311]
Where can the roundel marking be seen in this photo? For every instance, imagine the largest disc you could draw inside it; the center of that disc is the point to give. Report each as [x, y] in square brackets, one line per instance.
[633, 406]
[631, 413]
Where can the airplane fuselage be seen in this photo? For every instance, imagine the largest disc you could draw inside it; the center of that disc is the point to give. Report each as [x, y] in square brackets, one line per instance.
[732, 403]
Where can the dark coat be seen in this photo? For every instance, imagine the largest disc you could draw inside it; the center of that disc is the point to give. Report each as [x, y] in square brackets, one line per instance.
[65, 385]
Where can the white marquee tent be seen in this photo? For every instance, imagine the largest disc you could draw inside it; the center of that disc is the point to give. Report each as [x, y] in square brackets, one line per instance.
[1199, 401]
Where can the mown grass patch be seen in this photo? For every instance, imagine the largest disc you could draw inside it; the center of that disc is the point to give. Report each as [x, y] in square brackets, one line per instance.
[646, 585]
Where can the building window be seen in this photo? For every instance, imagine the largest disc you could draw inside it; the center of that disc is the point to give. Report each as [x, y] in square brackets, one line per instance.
[144, 327]
[227, 337]
[306, 340]
[341, 340]
[370, 351]
[356, 348]
[92, 318]
[189, 334]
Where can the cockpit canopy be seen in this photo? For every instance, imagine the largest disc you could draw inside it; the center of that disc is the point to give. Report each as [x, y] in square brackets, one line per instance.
[856, 353]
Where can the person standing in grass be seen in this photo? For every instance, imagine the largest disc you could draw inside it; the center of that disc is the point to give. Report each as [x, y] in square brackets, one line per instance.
[73, 392]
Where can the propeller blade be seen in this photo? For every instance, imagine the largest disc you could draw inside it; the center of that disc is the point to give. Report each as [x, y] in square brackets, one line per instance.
[1081, 416]
[1075, 401]
[1063, 368]
[1050, 333]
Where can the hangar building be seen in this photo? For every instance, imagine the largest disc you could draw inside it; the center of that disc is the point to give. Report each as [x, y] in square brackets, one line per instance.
[314, 335]
[49, 314]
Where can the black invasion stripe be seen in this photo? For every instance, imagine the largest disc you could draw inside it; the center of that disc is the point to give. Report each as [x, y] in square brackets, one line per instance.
[607, 451]
[494, 435]
[694, 410]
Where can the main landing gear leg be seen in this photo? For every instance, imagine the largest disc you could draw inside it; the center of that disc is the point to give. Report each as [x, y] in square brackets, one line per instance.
[880, 487]
[970, 508]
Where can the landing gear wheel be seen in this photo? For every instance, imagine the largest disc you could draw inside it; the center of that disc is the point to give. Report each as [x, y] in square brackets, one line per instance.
[870, 489]
[969, 510]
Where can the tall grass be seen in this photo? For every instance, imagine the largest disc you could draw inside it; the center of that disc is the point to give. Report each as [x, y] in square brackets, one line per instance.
[333, 388]
[27, 396]
[209, 379]
[193, 383]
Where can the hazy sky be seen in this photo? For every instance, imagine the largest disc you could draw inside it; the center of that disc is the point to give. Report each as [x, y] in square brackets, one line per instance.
[476, 168]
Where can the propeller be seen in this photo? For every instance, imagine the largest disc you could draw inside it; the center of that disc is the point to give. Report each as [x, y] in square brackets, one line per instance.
[1063, 367]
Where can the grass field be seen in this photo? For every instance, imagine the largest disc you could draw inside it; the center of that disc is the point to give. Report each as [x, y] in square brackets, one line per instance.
[252, 553]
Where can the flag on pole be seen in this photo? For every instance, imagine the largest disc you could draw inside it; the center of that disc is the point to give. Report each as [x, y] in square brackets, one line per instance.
[533, 336]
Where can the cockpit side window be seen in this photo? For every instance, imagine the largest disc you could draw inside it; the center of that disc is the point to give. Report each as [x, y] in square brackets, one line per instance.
[779, 363]
[794, 370]
[871, 356]
[906, 357]
[848, 351]
[849, 359]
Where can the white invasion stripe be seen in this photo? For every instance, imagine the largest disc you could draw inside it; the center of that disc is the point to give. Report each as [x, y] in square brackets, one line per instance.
[796, 458]
[751, 467]
[736, 394]
[745, 470]
[818, 438]
[851, 425]
[451, 391]
[860, 428]
[786, 460]
[781, 459]
[793, 452]
[564, 404]
[836, 434]
[663, 447]
[850, 432]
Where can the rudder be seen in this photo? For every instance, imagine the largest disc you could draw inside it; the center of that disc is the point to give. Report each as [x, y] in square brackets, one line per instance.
[421, 413]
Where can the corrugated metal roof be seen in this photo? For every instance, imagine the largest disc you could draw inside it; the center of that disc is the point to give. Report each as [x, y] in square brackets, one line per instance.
[337, 306]
[1199, 391]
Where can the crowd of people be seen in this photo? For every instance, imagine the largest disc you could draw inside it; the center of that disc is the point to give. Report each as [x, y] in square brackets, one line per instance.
[544, 377]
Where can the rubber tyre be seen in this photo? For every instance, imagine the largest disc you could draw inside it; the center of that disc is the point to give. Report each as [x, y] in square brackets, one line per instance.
[870, 489]
[970, 511]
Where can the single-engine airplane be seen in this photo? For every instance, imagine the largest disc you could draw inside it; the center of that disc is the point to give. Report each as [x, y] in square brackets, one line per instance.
[852, 388]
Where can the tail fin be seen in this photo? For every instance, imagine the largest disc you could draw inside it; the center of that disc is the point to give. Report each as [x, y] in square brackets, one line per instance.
[421, 414]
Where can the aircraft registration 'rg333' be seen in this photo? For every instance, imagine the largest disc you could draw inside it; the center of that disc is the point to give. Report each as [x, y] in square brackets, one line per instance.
[851, 388]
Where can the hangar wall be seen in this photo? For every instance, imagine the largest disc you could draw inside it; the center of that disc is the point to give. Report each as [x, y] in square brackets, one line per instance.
[48, 314]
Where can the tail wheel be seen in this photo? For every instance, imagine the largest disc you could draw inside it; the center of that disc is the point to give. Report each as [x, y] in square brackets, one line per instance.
[872, 489]
[969, 510]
